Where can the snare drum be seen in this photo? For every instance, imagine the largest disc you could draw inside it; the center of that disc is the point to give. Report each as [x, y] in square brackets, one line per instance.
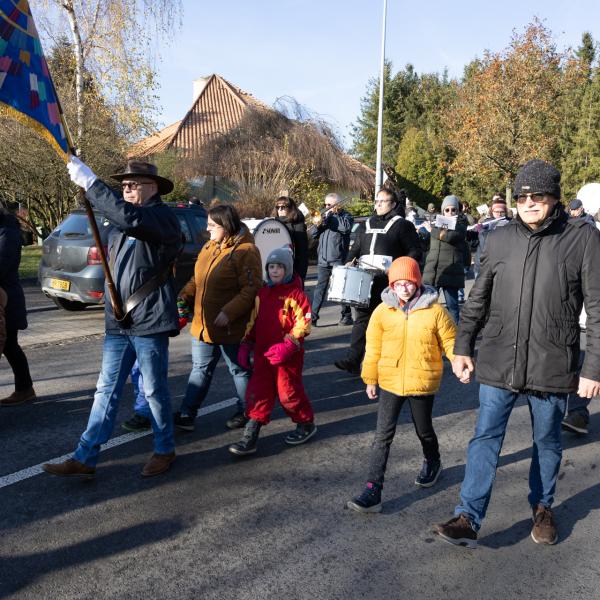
[350, 285]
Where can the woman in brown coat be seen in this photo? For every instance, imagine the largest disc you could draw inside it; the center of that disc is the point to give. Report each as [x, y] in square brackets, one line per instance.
[227, 277]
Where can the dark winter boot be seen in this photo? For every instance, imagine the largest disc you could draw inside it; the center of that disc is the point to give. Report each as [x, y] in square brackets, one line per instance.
[247, 445]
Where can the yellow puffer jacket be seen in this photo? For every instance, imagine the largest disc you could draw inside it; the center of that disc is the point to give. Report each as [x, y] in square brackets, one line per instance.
[404, 347]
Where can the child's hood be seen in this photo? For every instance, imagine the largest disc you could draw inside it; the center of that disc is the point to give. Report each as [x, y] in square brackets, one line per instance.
[429, 296]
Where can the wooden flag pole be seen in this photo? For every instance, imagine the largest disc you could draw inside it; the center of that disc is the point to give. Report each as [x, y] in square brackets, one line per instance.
[115, 298]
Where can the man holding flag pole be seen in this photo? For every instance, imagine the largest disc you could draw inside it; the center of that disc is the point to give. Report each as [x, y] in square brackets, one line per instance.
[143, 246]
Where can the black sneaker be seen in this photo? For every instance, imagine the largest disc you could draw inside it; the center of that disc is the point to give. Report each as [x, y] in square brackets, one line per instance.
[369, 501]
[314, 322]
[430, 471]
[237, 421]
[183, 422]
[302, 433]
[346, 320]
[575, 422]
[247, 445]
[457, 531]
[346, 365]
[137, 423]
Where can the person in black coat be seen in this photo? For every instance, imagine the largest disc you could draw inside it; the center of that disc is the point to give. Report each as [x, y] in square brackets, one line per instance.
[445, 262]
[536, 273]
[15, 312]
[386, 236]
[286, 211]
[333, 230]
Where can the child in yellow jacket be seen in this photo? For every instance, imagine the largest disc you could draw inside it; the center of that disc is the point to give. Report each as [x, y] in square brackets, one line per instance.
[406, 336]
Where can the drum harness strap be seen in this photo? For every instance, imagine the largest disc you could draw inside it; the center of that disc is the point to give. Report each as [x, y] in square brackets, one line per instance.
[375, 232]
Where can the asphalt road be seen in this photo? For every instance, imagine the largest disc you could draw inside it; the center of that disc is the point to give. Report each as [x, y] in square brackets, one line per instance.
[273, 525]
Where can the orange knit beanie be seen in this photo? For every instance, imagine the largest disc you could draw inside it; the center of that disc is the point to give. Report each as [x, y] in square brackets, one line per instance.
[405, 268]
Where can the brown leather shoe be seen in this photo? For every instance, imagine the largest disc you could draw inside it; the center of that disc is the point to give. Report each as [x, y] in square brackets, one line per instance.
[158, 463]
[17, 398]
[70, 468]
[544, 528]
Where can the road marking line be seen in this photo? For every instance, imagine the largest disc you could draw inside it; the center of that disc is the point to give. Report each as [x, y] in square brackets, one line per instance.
[112, 443]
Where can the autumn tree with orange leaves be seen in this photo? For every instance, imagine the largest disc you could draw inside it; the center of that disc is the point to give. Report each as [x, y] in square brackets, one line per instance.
[510, 108]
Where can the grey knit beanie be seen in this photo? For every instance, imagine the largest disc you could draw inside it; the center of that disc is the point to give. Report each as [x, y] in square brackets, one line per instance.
[451, 200]
[282, 256]
[537, 177]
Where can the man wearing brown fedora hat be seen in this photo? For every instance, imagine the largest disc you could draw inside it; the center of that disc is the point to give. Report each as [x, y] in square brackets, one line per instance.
[143, 245]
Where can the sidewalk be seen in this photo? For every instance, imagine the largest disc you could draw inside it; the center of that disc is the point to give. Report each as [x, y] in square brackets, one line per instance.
[55, 326]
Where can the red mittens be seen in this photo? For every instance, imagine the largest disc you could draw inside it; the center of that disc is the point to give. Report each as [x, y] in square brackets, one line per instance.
[279, 354]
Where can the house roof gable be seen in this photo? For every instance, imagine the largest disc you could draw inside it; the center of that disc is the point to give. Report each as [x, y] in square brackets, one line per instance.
[217, 109]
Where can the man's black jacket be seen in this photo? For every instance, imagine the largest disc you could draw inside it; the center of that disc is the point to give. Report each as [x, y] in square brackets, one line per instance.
[144, 240]
[527, 300]
[400, 240]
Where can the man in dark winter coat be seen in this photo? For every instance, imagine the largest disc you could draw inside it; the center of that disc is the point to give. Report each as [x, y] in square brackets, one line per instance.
[383, 238]
[15, 311]
[333, 233]
[577, 211]
[143, 246]
[445, 262]
[536, 272]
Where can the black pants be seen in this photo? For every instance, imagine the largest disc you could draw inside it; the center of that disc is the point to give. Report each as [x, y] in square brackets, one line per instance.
[387, 419]
[17, 360]
[358, 338]
[323, 276]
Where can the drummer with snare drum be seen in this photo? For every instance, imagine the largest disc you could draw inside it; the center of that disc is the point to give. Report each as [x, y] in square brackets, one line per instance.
[384, 237]
[332, 228]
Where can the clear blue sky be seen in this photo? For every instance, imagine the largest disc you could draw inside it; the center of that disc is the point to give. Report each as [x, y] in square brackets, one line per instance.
[323, 52]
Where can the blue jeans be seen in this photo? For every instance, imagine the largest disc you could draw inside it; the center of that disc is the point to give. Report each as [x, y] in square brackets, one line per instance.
[451, 297]
[118, 357]
[141, 406]
[495, 406]
[204, 360]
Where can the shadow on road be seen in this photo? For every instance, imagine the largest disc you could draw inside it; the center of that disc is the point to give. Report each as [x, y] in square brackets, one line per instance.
[21, 570]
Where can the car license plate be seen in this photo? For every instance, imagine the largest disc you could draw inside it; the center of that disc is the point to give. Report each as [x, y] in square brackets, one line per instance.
[60, 284]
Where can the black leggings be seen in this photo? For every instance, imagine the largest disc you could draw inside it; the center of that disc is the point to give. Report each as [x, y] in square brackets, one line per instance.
[17, 360]
[387, 419]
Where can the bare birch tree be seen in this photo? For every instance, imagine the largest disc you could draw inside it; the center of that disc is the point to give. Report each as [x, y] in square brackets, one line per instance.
[117, 42]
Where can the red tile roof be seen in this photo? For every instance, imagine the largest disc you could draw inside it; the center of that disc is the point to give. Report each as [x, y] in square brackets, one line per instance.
[218, 108]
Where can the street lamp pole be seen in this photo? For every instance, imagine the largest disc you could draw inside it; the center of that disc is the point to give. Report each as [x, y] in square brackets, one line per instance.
[378, 169]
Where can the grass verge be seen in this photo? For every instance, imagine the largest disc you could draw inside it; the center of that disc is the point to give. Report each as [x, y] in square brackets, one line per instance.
[30, 260]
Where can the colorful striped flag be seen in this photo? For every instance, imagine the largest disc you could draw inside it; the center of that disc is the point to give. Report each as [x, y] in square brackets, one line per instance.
[27, 93]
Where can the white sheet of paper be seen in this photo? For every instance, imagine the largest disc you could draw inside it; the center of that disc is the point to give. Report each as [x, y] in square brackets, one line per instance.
[303, 209]
[482, 209]
[445, 222]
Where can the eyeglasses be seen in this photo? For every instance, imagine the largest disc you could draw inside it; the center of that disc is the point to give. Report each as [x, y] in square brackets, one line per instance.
[283, 207]
[534, 197]
[133, 185]
[386, 201]
[404, 284]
